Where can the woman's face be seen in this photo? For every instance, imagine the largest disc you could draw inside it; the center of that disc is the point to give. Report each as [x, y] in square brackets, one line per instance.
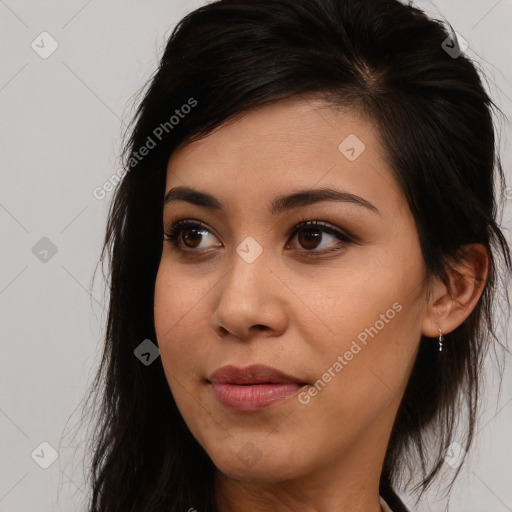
[338, 306]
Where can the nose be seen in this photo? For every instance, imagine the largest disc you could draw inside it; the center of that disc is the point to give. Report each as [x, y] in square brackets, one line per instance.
[251, 300]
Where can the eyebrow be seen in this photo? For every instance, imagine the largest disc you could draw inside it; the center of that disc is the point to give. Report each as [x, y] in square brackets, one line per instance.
[279, 205]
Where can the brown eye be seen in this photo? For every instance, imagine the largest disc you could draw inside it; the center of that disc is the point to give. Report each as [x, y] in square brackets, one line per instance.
[312, 233]
[186, 236]
[188, 233]
[192, 237]
[310, 238]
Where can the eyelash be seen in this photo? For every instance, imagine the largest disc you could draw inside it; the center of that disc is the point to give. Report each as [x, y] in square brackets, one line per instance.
[173, 233]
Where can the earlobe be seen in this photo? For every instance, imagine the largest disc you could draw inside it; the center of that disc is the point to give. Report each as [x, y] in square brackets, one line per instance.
[451, 303]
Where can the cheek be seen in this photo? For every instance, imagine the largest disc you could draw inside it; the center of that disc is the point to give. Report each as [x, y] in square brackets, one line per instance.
[376, 301]
[177, 314]
[376, 295]
[178, 300]
[361, 372]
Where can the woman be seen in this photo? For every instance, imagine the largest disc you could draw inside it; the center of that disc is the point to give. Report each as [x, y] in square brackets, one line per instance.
[307, 235]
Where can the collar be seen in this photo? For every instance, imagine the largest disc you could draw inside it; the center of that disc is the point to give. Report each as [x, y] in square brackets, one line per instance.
[384, 506]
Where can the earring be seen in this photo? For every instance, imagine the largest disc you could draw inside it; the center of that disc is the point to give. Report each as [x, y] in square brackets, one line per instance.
[441, 339]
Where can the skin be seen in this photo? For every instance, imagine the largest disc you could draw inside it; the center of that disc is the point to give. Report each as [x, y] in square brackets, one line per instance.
[294, 313]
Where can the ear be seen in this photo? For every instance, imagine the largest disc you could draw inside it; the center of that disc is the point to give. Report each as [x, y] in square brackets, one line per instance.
[451, 303]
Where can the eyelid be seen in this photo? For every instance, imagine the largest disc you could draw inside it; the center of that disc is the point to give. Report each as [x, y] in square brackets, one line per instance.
[179, 225]
[325, 226]
[172, 235]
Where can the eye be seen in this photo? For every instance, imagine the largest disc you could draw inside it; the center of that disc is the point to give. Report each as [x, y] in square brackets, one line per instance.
[310, 235]
[193, 231]
[187, 235]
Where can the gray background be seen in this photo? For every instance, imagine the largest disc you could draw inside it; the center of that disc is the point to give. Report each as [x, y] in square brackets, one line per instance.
[61, 126]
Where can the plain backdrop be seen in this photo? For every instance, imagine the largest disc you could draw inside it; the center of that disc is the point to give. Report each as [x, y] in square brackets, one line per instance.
[62, 117]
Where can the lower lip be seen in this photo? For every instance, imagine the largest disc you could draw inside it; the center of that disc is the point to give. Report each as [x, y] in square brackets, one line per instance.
[253, 397]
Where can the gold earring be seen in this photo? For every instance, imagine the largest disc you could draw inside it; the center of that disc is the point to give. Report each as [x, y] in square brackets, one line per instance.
[441, 339]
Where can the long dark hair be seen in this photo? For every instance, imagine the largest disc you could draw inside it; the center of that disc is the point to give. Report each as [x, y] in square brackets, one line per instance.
[390, 63]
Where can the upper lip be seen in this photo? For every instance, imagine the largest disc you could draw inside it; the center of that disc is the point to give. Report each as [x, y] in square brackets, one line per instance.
[253, 374]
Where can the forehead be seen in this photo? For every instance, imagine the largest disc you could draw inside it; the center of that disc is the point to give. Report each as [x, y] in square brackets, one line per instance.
[295, 143]
[298, 126]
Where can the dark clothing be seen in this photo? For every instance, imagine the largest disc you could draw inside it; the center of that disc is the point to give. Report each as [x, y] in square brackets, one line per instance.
[393, 501]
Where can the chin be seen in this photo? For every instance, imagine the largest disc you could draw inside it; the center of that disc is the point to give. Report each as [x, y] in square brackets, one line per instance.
[248, 464]
[262, 474]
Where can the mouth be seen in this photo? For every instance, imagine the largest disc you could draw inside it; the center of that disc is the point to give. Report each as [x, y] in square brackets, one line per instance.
[253, 388]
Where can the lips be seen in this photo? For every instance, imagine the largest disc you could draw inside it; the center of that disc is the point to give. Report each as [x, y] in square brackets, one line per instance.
[252, 388]
[254, 374]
